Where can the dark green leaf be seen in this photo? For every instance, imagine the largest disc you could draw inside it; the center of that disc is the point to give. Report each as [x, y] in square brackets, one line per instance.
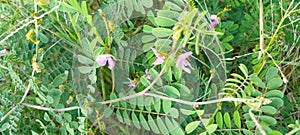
[274, 93]
[59, 80]
[274, 83]
[271, 73]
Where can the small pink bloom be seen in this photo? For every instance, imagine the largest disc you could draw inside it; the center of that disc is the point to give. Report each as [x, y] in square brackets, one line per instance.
[132, 83]
[159, 59]
[183, 62]
[105, 58]
[215, 20]
[147, 74]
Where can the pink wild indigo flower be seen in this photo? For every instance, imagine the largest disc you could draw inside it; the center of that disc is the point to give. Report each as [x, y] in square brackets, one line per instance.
[132, 83]
[159, 59]
[183, 62]
[106, 58]
[214, 19]
[147, 74]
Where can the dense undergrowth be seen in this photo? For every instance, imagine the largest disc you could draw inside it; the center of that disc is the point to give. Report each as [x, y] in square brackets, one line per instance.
[149, 67]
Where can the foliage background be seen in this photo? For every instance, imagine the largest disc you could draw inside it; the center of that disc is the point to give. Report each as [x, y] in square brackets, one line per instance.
[42, 40]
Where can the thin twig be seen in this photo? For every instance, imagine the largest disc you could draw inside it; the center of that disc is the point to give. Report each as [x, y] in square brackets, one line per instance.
[49, 109]
[256, 123]
[140, 93]
[28, 23]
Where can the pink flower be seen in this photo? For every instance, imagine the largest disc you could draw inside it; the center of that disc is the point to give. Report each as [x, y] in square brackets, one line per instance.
[183, 62]
[132, 83]
[104, 58]
[147, 74]
[215, 20]
[159, 59]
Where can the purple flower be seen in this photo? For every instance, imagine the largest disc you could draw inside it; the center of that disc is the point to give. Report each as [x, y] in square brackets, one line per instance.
[183, 62]
[132, 83]
[215, 20]
[104, 58]
[147, 74]
[159, 59]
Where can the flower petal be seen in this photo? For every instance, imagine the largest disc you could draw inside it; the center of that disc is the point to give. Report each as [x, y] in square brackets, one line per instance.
[158, 61]
[215, 22]
[101, 60]
[132, 83]
[214, 17]
[111, 63]
[186, 69]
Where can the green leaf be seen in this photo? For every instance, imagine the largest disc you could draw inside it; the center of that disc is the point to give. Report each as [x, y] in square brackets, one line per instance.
[67, 117]
[257, 81]
[145, 81]
[268, 109]
[228, 38]
[135, 120]
[64, 7]
[177, 73]
[147, 47]
[152, 124]
[147, 38]
[157, 105]
[84, 60]
[55, 92]
[275, 132]
[43, 38]
[274, 83]
[165, 22]
[171, 91]
[144, 122]
[172, 6]
[153, 73]
[227, 120]
[168, 14]
[147, 29]
[211, 128]
[182, 88]
[126, 118]
[268, 119]
[162, 32]
[119, 116]
[244, 69]
[187, 112]
[108, 111]
[247, 132]
[59, 80]
[168, 75]
[174, 113]
[237, 119]
[274, 93]
[85, 69]
[46, 117]
[189, 128]
[161, 125]
[276, 102]
[200, 112]
[147, 3]
[166, 105]
[169, 125]
[219, 120]
[114, 96]
[271, 74]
